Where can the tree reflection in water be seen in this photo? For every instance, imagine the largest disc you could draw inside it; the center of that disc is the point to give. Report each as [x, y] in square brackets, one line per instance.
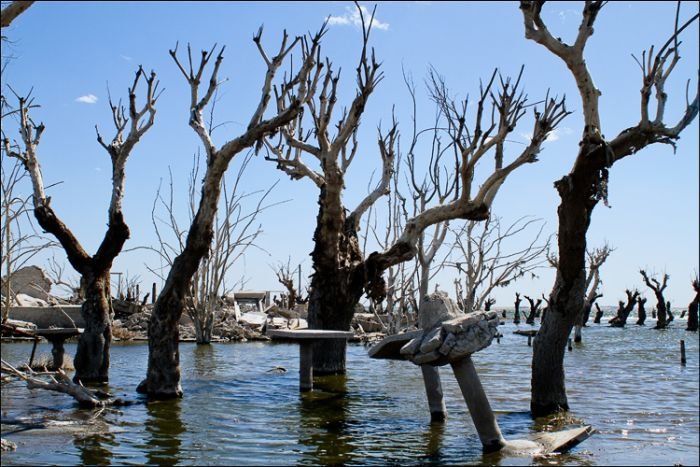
[165, 427]
[324, 425]
[95, 449]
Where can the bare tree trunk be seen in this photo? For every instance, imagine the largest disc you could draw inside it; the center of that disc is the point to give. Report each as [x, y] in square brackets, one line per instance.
[92, 356]
[533, 309]
[335, 285]
[598, 314]
[641, 313]
[661, 305]
[693, 314]
[516, 315]
[624, 309]
[163, 374]
[587, 183]
[578, 198]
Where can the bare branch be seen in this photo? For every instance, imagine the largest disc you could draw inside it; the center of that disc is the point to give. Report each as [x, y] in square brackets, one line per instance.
[12, 11]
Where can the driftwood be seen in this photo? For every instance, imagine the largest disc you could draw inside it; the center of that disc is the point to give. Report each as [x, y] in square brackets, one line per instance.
[60, 382]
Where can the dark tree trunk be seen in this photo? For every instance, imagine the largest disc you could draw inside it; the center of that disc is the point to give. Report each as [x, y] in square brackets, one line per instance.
[598, 314]
[336, 286]
[516, 316]
[661, 321]
[624, 309]
[579, 192]
[91, 360]
[693, 309]
[668, 311]
[92, 356]
[533, 309]
[582, 320]
[641, 313]
[163, 375]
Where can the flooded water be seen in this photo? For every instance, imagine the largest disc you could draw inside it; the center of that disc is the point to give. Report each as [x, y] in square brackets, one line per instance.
[627, 383]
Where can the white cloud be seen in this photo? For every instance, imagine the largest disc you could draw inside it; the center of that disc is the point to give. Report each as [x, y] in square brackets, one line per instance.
[87, 99]
[126, 57]
[552, 136]
[352, 18]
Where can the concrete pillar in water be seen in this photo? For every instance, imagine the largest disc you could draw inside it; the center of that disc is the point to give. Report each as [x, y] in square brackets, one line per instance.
[433, 389]
[478, 404]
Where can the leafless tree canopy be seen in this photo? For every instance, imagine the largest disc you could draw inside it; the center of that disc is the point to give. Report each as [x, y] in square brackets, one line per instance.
[485, 261]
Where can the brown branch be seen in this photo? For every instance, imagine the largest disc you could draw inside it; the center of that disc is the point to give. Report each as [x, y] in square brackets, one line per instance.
[12, 11]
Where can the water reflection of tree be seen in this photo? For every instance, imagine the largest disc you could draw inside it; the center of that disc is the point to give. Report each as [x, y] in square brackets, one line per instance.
[164, 425]
[433, 438]
[206, 361]
[324, 425]
[95, 449]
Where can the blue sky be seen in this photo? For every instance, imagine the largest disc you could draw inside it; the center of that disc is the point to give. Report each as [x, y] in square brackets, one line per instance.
[72, 52]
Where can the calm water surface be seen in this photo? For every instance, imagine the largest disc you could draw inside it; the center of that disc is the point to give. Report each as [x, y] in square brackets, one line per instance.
[628, 383]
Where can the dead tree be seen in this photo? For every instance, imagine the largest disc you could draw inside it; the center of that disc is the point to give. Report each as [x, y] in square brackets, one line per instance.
[400, 304]
[439, 185]
[658, 289]
[486, 262]
[694, 307]
[19, 240]
[235, 229]
[624, 309]
[92, 356]
[285, 277]
[596, 258]
[534, 306]
[641, 312]
[669, 316]
[516, 315]
[587, 183]
[163, 374]
[598, 314]
[341, 272]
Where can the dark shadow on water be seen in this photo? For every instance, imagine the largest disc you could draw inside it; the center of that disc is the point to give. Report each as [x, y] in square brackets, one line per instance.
[95, 449]
[433, 439]
[165, 427]
[324, 425]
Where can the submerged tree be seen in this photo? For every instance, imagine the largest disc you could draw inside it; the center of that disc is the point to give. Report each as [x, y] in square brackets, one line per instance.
[694, 307]
[661, 304]
[341, 272]
[595, 260]
[92, 356]
[587, 183]
[624, 309]
[641, 312]
[163, 374]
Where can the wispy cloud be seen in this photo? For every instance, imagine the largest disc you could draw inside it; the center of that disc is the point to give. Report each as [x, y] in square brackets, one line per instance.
[126, 57]
[87, 99]
[554, 135]
[564, 15]
[352, 18]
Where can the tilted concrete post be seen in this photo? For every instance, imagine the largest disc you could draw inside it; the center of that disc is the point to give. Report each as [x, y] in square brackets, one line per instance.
[433, 389]
[478, 404]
